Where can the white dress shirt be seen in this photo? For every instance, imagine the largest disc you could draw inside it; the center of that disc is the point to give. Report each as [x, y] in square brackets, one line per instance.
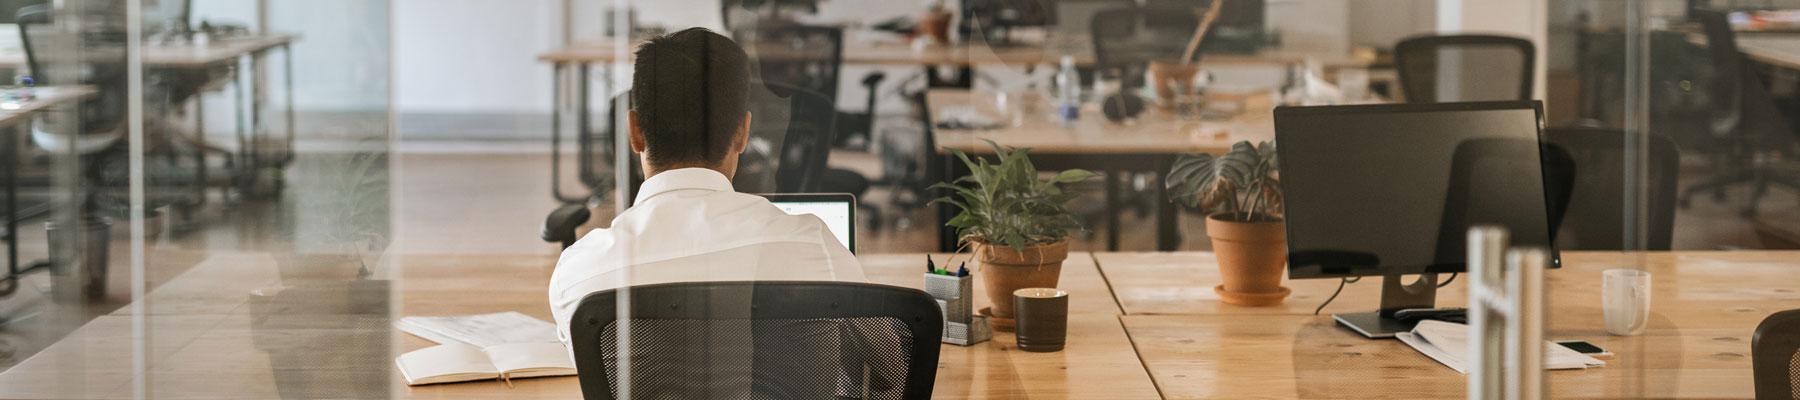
[688, 225]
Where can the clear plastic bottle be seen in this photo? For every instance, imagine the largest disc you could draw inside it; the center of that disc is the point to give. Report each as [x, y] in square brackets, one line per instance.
[1068, 94]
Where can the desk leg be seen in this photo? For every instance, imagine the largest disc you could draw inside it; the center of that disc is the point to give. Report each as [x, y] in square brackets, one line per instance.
[1168, 227]
[287, 77]
[953, 169]
[12, 203]
[556, 109]
[246, 166]
[1112, 209]
[584, 139]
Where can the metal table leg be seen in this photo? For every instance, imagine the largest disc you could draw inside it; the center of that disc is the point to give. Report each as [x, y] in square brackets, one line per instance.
[287, 76]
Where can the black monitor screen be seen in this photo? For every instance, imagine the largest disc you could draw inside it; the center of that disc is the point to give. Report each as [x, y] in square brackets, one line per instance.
[1393, 189]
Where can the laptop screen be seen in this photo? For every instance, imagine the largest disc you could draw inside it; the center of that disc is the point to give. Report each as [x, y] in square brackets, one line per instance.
[838, 212]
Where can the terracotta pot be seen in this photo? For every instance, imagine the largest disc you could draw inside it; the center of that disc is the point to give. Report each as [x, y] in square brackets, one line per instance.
[935, 26]
[1004, 270]
[1166, 77]
[1252, 258]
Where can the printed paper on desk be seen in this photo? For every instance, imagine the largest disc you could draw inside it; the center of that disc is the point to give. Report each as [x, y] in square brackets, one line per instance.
[481, 331]
[1448, 343]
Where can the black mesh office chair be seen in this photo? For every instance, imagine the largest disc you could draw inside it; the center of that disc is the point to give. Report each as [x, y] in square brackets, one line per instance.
[1126, 40]
[774, 340]
[806, 58]
[1775, 356]
[1745, 122]
[1487, 162]
[1492, 68]
[1593, 220]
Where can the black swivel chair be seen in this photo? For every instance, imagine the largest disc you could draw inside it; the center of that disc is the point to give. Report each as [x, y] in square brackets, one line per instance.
[1593, 220]
[1504, 64]
[787, 340]
[1126, 40]
[1475, 163]
[808, 58]
[1775, 356]
[1745, 121]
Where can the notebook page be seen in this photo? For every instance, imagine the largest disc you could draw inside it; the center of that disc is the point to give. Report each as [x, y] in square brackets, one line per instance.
[531, 359]
[445, 363]
[482, 330]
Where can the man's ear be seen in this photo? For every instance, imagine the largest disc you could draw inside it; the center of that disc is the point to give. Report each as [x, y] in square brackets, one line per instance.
[742, 138]
[637, 133]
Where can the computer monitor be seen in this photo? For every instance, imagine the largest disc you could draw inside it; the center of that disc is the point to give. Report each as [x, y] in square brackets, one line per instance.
[838, 210]
[1391, 190]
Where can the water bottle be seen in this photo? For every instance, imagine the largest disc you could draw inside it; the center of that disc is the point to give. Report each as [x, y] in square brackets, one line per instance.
[1068, 97]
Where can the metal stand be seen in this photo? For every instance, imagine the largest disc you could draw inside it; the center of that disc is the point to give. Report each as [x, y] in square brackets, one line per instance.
[1395, 296]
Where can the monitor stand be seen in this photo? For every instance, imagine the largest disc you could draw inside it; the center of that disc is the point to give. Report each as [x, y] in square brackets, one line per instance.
[1395, 296]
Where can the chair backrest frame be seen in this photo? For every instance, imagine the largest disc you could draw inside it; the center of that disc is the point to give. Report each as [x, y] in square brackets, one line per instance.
[765, 300]
[1409, 53]
[1774, 350]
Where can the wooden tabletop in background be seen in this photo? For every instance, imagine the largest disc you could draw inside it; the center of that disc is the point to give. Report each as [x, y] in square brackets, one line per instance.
[1156, 131]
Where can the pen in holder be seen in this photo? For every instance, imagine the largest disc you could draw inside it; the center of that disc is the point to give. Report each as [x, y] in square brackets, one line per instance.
[955, 294]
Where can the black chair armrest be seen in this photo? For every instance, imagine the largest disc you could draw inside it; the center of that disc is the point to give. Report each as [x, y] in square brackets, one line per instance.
[559, 226]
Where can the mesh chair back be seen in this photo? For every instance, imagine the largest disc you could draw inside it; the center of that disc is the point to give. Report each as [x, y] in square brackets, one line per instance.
[58, 53]
[803, 57]
[1483, 163]
[1775, 355]
[1465, 68]
[1127, 40]
[1593, 220]
[764, 340]
[804, 136]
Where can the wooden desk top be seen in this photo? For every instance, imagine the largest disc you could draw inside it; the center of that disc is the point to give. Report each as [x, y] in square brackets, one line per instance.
[46, 97]
[250, 326]
[1705, 307]
[1157, 131]
[603, 50]
[1780, 50]
[228, 329]
[189, 56]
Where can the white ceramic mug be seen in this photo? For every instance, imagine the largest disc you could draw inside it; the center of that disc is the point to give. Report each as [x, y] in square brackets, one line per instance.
[1625, 299]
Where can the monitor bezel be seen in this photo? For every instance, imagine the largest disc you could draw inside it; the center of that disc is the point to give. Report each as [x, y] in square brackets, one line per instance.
[846, 198]
[1537, 108]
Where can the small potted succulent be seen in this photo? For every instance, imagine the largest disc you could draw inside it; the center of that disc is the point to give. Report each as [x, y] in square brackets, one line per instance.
[1240, 193]
[1017, 223]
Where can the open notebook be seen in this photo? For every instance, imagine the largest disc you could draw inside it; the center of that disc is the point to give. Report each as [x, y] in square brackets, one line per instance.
[457, 362]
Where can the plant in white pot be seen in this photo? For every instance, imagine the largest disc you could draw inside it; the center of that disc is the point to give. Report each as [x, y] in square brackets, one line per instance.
[1240, 193]
[1017, 223]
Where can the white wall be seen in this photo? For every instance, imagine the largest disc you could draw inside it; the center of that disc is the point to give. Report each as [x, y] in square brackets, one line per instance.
[341, 61]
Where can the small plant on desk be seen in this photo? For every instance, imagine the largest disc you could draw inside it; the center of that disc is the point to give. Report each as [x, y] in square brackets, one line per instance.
[1240, 194]
[1017, 222]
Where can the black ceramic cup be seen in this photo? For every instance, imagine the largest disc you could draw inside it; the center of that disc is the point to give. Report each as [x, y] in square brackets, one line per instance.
[1043, 318]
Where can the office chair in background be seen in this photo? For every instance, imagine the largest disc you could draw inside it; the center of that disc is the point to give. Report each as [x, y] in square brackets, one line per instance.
[1745, 124]
[808, 58]
[793, 340]
[1505, 66]
[1775, 356]
[1593, 220]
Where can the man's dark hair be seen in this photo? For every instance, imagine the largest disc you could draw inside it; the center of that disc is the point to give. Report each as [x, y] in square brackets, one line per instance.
[690, 92]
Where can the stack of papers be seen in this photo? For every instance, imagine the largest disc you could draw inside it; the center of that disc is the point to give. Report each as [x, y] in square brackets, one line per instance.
[1448, 343]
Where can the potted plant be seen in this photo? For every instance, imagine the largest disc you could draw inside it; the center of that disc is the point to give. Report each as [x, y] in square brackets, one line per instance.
[1168, 76]
[1017, 223]
[934, 23]
[1240, 193]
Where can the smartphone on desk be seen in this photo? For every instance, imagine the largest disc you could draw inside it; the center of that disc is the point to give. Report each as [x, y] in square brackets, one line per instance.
[1583, 347]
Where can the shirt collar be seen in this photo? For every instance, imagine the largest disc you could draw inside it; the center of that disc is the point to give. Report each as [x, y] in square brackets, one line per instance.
[682, 179]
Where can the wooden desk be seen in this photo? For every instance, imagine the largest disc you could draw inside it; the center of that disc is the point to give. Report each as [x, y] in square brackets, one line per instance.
[893, 53]
[1778, 50]
[1706, 306]
[249, 326]
[1148, 145]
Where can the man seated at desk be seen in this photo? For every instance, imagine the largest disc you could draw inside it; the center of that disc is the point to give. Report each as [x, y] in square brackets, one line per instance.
[689, 121]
